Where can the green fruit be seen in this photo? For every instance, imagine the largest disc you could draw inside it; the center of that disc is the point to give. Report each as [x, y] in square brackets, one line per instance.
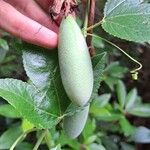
[75, 62]
[73, 125]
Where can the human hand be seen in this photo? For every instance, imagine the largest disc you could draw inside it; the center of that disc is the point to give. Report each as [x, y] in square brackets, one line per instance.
[28, 20]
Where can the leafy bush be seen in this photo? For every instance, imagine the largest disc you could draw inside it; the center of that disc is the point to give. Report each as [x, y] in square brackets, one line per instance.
[34, 107]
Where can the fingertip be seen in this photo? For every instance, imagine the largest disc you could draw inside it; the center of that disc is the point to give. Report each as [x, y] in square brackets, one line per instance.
[42, 36]
[26, 28]
[47, 38]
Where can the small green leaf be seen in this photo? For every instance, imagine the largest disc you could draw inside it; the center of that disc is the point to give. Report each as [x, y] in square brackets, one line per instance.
[121, 93]
[109, 126]
[97, 42]
[101, 101]
[9, 137]
[127, 19]
[64, 140]
[111, 81]
[125, 146]
[2, 54]
[89, 128]
[110, 143]
[141, 135]
[8, 111]
[98, 66]
[142, 110]
[90, 139]
[100, 112]
[105, 115]
[116, 70]
[3, 49]
[24, 146]
[126, 127]
[130, 99]
[112, 117]
[4, 45]
[95, 146]
[58, 147]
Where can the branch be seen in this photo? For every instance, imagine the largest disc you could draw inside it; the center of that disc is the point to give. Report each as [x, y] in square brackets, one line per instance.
[90, 23]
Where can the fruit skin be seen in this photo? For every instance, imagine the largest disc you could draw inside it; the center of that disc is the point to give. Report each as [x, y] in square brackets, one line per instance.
[73, 125]
[75, 62]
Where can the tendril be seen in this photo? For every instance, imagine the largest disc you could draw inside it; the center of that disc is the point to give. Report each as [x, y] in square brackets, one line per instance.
[134, 72]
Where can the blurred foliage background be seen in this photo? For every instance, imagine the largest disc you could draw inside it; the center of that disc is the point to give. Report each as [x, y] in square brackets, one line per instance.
[119, 116]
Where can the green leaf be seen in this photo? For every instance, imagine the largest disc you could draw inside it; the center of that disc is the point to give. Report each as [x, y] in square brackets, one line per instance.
[125, 146]
[24, 146]
[95, 146]
[3, 44]
[126, 127]
[111, 81]
[64, 140]
[90, 139]
[108, 127]
[9, 137]
[141, 135]
[2, 54]
[29, 102]
[57, 94]
[142, 110]
[113, 73]
[101, 101]
[111, 117]
[127, 19]
[106, 115]
[39, 66]
[97, 42]
[89, 128]
[99, 112]
[58, 147]
[43, 70]
[98, 67]
[109, 143]
[130, 99]
[8, 111]
[116, 70]
[121, 93]
[3, 49]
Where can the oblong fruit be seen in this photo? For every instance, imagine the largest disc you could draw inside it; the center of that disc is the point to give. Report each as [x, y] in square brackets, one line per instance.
[75, 62]
[73, 125]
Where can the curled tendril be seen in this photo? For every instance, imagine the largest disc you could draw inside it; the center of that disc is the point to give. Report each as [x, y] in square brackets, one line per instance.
[134, 72]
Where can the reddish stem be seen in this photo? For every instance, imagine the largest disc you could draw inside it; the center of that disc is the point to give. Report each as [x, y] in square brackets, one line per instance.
[90, 23]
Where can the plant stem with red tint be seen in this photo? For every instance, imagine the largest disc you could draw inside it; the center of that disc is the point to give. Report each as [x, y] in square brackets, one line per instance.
[90, 23]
